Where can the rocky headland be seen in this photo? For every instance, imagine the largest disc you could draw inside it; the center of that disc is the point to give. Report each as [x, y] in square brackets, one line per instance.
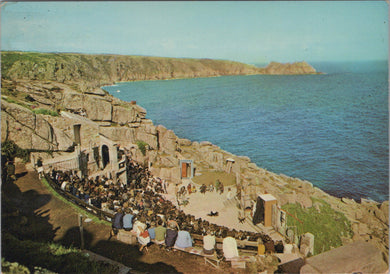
[60, 85]
[296, 68]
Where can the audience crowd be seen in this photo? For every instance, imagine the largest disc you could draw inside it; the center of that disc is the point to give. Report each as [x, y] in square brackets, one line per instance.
[139, 205]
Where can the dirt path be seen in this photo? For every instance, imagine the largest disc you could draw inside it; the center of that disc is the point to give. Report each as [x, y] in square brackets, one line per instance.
[57, 221]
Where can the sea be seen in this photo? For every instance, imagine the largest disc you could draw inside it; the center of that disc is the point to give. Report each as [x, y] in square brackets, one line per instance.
[330, 129]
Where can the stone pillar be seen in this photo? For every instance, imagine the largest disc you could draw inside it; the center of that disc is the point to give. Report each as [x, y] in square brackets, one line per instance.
[113, 151]
[307, 244]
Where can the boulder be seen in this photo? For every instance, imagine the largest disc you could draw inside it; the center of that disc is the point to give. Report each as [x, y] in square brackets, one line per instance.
[27, 130]
[352, 258]
[381, 215]
[168, 162]
[348, 201]
[252, 165]
[140, 111]
[63, 140]
[96, 91]
[205, 143]
[148, 127]
[21, 114]
[73, 101]
[121, 135]
[244, 158]
[167, 140]
[184, 142]
[97, 109]
[304, 200]
[122, 115]
[384, 207]
[148, 138]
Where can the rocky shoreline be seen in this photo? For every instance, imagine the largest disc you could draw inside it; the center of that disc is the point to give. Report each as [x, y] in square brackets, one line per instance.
[125, 123]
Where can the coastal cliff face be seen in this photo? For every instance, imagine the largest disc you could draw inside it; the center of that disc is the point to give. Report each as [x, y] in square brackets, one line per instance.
[98, 70]
[39, 109]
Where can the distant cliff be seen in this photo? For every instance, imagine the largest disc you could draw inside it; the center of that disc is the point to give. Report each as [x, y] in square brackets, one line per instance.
[107, 69]
[98, 70]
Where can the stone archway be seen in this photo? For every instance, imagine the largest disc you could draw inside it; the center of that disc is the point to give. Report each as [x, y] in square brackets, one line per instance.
[105, 155]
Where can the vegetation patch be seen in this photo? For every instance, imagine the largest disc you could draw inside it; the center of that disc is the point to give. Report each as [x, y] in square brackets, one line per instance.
[11, 150]
[51, 256]
[45, 111]
[8, 267]
[142, 146]
[327, 225]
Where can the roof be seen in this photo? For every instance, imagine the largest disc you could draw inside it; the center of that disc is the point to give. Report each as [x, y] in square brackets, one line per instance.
[267, 197]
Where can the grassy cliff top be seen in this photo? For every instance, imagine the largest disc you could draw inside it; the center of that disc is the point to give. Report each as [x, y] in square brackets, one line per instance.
[108, 68]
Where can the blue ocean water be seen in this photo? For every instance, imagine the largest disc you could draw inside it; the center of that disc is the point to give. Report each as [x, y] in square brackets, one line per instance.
[329, 129]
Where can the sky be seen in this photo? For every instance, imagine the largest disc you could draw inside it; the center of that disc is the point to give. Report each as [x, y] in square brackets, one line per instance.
[249, 32]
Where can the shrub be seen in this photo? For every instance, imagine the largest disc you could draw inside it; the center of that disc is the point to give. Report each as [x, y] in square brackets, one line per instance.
[12, 150]
[8, 267]
[45, 111]
[142, 146]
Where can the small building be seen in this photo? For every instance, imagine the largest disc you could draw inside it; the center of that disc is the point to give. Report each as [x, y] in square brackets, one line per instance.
[263, 210]
[229, 164]
[186, 169]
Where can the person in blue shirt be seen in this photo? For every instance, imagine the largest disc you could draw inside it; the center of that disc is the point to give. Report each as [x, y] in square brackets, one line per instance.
[152, 233]
[183, 239]
[128, 220]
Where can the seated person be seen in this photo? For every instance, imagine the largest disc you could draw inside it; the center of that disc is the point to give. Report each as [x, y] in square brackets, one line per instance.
[151, 230]
[171, 235]
[229, 247]
[128, 220]
[117, 222]
[260, 247]
[143, 238]
[183, 239]
[209, 243]
[138, 225]
[160, 232]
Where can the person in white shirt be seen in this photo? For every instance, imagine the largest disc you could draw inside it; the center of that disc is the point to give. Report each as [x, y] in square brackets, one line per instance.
[209, 243]
[229, 247]
[229, 194]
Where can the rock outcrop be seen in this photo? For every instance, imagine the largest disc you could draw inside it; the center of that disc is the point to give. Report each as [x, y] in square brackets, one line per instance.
[286, 69]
